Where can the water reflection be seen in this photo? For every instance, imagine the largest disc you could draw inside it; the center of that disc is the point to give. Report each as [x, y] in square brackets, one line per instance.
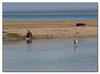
[27, 60]
[29, 46]
[28, 50]
[75, 47]
[75, 44]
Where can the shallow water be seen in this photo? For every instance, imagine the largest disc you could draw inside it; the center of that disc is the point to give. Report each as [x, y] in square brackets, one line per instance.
[51, 55]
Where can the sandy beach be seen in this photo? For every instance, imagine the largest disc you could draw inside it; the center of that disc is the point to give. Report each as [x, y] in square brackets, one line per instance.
[51, 28]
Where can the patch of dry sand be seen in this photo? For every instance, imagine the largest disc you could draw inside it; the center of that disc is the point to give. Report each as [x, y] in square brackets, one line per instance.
[51, 28]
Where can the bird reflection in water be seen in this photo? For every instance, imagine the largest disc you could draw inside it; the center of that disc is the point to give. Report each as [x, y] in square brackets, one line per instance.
[75, 44]
[76, 41]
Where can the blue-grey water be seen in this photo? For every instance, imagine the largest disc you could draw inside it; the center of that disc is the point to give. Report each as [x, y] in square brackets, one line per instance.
[51, 55]
[53, 16]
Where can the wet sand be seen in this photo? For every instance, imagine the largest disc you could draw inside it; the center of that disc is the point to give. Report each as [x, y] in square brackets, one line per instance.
[51, 28]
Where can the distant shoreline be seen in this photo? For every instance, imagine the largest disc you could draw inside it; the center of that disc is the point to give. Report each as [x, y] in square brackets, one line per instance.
[42, 29]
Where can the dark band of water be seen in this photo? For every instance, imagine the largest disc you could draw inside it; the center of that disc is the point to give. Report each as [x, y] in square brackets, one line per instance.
[50, 16]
